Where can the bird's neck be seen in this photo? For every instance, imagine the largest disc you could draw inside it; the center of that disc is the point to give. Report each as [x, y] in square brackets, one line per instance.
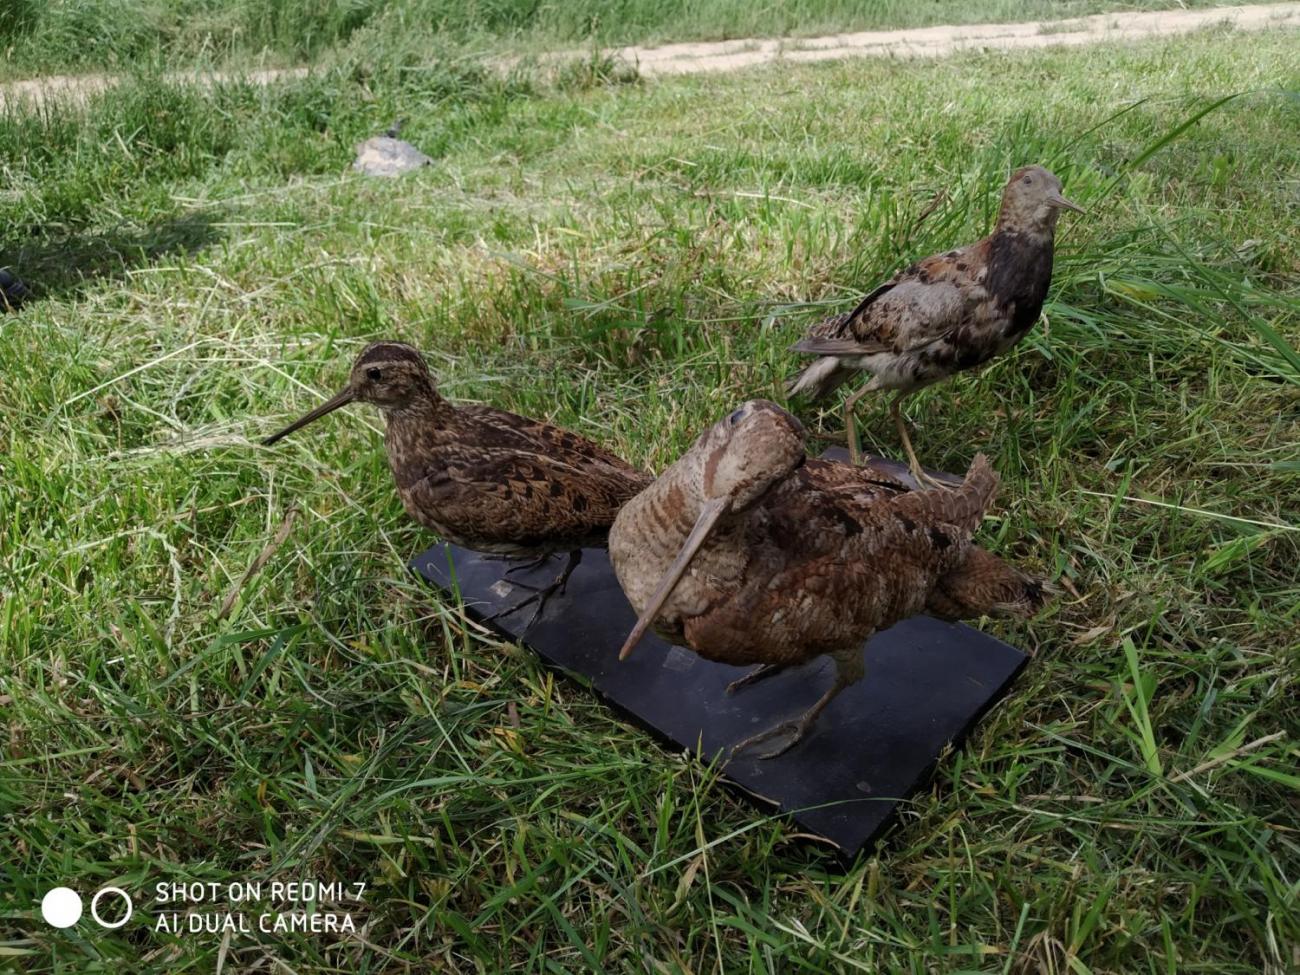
[669, 507]
[428, 410]
[415, 435]
[1036, 229]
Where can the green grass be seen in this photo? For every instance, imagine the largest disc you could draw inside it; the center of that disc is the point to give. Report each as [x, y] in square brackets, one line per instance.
[38, 37]
[631, 261]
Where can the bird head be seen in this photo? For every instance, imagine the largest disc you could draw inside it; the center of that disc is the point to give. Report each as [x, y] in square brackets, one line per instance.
[1032, 200]
[389, 375]
[728, 470]
[742, 456]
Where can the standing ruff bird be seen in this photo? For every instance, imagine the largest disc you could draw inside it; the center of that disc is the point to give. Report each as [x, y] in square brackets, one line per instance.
[483, 478]
[749, 552]
[945, 314]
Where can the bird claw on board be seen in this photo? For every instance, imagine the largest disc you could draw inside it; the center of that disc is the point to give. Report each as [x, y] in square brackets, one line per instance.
[761, 672]
[796, 728]
[530, 566]
[925, 480]
[540, 595]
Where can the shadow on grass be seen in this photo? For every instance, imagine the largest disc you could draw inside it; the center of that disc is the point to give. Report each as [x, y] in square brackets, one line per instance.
[12, 291]
[56, 263]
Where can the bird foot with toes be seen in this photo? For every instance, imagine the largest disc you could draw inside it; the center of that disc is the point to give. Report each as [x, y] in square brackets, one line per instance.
[761, 672]
[792, 731]
[926, 480]
[528, 566]
[540, 594]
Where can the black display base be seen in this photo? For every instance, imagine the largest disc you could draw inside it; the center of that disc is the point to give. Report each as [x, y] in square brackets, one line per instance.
[927, 682]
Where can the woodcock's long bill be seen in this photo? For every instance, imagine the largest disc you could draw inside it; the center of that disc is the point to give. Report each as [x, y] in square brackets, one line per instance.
[749, 552]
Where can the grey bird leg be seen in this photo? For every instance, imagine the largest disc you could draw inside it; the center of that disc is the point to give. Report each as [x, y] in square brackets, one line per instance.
[896, 411]
[528, 566]
[761, 672]
[848, 670]
[541, 595]
[923, 480]
[851, 426]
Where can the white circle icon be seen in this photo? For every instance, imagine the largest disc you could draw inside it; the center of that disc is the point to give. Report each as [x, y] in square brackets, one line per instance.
[94, 907]
[61, 907]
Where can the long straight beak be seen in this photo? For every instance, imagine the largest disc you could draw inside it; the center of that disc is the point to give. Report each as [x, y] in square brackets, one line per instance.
[1057, 200]
[329, 406]
[708, 517]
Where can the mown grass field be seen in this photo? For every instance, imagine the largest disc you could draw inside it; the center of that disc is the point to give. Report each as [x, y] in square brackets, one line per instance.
[38, 37]
[631, 260]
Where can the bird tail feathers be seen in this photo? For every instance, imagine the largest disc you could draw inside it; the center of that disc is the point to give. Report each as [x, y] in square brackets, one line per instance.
[818, 379]
[961, 507]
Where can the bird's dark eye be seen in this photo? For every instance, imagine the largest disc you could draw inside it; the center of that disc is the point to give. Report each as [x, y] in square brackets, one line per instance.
[374, 375]
[1029, 179]
[735, 417]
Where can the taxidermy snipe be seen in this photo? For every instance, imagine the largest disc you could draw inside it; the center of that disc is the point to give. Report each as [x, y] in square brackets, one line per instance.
[747, 551]
[483, 478]
[945, 314]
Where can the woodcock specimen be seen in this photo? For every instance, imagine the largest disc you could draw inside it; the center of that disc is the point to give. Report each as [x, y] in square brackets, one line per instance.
[749, 552]
[945, 314]
[483, 478]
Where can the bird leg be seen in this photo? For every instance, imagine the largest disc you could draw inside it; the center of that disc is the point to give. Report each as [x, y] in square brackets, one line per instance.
[529, 566]
[851, 426]
[923, 480]
[761, 672]
[542, 594]
[848, 670]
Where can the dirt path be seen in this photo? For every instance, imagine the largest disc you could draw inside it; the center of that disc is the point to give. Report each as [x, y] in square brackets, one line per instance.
[937, 41]
[675, 59]
[79, 87]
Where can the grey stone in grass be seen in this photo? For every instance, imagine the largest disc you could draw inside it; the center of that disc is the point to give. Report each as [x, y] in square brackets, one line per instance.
[387, 155]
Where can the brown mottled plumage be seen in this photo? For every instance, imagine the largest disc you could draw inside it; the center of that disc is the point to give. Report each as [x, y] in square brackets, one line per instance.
[944, 314]
[483, 478]
[748, 552]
